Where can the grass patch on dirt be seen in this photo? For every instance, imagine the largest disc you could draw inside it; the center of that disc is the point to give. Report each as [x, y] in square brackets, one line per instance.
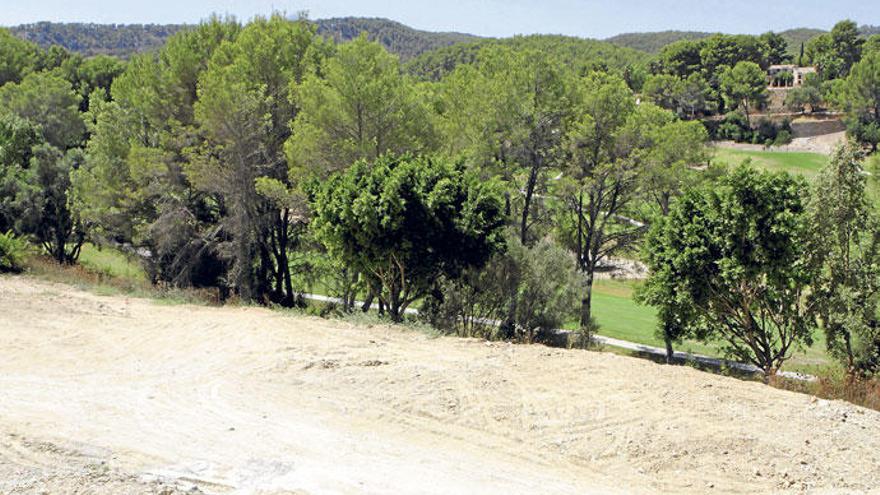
[804, 163]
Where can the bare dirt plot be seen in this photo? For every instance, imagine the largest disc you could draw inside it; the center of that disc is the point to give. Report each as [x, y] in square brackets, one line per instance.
[115, 395]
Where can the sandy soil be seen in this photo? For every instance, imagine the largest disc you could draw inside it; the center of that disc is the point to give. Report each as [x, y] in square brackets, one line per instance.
[108, 395]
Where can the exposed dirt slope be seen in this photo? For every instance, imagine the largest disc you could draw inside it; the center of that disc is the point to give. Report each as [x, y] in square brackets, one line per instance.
[115, 395]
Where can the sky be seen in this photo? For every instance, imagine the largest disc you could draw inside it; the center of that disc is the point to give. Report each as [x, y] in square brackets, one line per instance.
[585, 18]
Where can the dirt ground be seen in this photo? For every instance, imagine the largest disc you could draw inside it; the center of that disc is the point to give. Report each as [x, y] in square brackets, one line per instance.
[107, 395]
[824, 144]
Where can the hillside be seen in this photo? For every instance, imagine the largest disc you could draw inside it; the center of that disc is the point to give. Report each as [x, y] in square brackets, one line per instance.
[98, 39]
[126, 40]
[396, 37]
[654, 42]
[578, 52]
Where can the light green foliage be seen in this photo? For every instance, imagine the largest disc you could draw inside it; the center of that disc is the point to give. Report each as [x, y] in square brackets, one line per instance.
[357, 105]
[407, 221]
[860, 97]
[506, 115]
[12, 252]
[601, 174]
[744, 86]
[48, 100]
[846, 244]
[17, 57]
[731, 262]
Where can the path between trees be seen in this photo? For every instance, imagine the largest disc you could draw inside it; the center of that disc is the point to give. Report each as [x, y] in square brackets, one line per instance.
[623, 344]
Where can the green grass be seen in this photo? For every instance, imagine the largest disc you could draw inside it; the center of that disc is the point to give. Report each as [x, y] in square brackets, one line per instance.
[112, 263]
[807, 164]
[620, 317]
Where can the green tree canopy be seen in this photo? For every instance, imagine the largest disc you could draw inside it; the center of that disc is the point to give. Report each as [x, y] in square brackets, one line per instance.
[731, 262]
[49, 101]
[407, 221]
[744, 86]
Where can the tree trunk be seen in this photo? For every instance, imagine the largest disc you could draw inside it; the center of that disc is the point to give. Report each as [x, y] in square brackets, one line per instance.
[586, 303]
[670, 352]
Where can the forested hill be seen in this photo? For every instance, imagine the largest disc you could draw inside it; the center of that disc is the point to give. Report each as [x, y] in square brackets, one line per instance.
[125, 40]
[98, 39]
[654, 42]
[579, 53]
[396, 37]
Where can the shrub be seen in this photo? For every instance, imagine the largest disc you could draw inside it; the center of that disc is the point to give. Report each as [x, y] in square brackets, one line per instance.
[537, 286]
[12, 253]
[735, 127]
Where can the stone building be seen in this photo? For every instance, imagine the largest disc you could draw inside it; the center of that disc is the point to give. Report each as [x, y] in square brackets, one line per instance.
[787, 75]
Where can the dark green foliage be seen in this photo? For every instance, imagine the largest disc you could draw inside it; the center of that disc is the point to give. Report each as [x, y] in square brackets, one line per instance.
[44, 199]
[406, 221]
[581, 55]
[125, 41]
[99, 39]
[654, 42]
[836, 52]
[732, 263]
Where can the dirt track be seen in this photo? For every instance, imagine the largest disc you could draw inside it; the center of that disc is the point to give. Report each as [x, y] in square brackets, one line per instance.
[114, 395]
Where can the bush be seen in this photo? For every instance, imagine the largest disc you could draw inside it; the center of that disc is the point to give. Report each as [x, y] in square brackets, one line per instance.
[541, 280]
[12, 253]
[734, 127]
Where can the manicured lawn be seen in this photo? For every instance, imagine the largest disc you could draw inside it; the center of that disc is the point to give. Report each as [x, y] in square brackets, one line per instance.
[621, 318]
[804, 163]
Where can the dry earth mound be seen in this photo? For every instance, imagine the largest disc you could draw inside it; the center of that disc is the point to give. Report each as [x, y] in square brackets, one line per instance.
[117, 395]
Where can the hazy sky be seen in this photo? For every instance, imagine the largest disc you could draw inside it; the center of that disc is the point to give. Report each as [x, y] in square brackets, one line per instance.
[588, 18]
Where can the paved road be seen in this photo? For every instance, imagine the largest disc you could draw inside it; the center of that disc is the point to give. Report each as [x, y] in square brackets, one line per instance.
[631, 346]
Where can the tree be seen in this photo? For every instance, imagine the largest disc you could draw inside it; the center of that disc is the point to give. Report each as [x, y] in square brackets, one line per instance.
[847, 245]
[744, 86]
[667, 151]
[860, 97]
[600, 176]
[17, 57]
[731, 262]
[358, 105]
[506, 116]
[835, 53]
[245, 110]
[18, 137]
[46, 204]
[776, 50]
[132, 191]
[48, 100]
[407, 222]
[808, 94]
